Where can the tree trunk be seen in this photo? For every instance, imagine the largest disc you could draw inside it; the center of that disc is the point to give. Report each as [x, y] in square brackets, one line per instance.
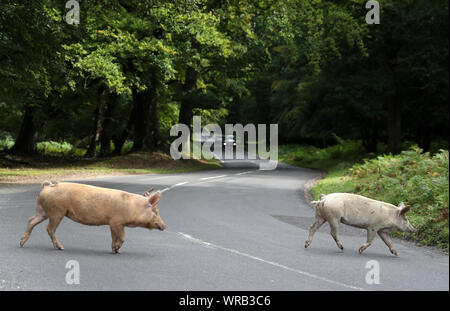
[106, 133]
[424, 139]
[119, 141]
[394, 125]
[97, 128]
[152, 140]
[141, 108]
[370, 139]
[186, 113]
[146, 123]
[26, 140]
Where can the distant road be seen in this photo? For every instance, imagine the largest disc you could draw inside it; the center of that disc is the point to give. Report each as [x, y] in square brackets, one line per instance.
[237, 228]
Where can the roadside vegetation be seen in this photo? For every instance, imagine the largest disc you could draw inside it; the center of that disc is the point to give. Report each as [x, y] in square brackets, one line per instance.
[58, 161]
[414, 177]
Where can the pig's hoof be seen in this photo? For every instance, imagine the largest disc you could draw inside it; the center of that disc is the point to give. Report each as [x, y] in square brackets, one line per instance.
[307, 244]
[393, 251]
[341, 247]
[362, 249]
[23, 240]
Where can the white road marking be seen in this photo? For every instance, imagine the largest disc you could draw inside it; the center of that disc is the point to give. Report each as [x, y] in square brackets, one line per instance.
[243, 173]
[145, 178]
[230, 250]
[183, 183]
[213, 177]
[173, 186]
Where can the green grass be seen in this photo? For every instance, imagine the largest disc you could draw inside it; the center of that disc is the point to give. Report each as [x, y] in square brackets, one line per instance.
[134, 163]
[416, 178]
[63, 160]
[332, 158]
[8, 172]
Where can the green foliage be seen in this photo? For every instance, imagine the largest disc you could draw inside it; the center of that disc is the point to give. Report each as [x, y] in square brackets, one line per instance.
[340, 154]
[54, 148]
[127, 147]
[316, 68]
[6, 141]
[415, 178]
[331, 73]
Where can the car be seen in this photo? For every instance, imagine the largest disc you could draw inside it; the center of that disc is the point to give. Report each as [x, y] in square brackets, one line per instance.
[229, 140]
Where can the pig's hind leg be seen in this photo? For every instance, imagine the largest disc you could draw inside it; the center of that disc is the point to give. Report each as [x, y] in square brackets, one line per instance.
[334, 225]
[51, 229]
[38, 217]
[314, 227]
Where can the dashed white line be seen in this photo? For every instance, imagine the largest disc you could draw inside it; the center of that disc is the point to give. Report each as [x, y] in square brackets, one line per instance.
[173, 186]
[230, 250]
[204, 178]
[213, 177]
[243, 173]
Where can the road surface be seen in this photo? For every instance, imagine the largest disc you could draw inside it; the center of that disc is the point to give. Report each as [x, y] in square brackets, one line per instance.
[236, 228]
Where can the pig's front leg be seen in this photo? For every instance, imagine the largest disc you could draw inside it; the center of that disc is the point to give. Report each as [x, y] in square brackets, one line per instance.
[371, 233]
[118, 237]
[385, 237]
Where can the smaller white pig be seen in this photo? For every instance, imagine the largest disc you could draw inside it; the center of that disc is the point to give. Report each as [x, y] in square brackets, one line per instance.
[361, 212]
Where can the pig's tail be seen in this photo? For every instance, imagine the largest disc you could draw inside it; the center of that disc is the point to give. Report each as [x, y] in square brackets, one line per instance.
[48, 183]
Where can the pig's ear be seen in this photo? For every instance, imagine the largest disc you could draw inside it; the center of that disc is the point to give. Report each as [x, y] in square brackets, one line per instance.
[147, 193]
[405, 209]
[154, 198]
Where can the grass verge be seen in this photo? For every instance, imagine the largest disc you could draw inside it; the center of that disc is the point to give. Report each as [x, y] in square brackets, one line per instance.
[31, 169]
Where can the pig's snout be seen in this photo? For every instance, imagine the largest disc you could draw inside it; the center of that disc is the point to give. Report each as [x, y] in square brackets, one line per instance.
[410, 228]
[161, 226]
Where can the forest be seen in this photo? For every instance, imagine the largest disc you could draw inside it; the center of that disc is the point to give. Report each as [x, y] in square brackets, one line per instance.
[130, 70]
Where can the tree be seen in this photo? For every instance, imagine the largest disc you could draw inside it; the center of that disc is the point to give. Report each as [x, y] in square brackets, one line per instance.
[29, 63]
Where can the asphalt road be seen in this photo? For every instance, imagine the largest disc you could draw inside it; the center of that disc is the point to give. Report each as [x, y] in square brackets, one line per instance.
[237, 228]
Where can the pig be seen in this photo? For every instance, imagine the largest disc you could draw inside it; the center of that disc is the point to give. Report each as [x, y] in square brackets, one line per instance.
[361, 212]
[94, 206]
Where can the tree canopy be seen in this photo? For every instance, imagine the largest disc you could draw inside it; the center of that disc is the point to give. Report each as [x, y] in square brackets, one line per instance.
[131, 69]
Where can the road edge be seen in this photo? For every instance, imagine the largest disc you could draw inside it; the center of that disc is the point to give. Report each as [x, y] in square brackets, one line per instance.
[310, 184]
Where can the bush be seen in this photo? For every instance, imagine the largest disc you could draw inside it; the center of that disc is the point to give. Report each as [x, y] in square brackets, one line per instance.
[6, 141]
[416, 178]
[343, 154]
[53, 147]
[127, 147]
